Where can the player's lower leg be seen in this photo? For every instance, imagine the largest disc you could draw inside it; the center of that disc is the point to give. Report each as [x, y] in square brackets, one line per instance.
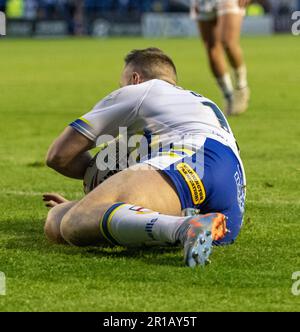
[231, 28]
[226, 86]
[131, 226]
[96, 217]
[222, 76]
[211, 35]
[242, 92]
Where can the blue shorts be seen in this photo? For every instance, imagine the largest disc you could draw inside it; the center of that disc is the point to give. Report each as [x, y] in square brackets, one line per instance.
[211, 179]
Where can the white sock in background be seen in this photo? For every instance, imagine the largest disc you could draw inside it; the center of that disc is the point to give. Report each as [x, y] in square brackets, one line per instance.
[225, 83]
[241, 77]
[130, 225]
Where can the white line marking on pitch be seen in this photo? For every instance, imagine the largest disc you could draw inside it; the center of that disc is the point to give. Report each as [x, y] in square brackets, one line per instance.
[32, 193]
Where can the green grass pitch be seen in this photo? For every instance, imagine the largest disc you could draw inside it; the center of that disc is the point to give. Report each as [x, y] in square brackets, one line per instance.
[45, 84]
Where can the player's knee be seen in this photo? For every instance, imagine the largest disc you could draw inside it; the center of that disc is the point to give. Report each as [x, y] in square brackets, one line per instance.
[50, 235]
[229, 44]
[52, 229]
[70, 228]
[214, 50]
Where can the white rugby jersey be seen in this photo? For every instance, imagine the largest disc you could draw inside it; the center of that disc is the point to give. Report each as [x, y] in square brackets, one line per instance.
[158, 108]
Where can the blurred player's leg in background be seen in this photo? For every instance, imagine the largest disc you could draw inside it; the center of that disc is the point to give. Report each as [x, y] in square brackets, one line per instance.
[220, 24]
[211, 35]
[230, 26]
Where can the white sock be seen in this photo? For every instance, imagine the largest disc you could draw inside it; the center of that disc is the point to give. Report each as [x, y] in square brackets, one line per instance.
[225, 83]
[241, 77]
[130, 225]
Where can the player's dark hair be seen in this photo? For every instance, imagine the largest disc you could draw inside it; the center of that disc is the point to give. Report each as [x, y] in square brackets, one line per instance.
[151, 62]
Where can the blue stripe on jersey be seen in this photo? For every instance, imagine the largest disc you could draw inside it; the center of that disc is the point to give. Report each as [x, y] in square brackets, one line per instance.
[83, 128]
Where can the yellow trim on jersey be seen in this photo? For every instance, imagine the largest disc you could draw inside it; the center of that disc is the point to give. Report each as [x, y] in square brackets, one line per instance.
[169, 154]
[85, 120]
[187, 151]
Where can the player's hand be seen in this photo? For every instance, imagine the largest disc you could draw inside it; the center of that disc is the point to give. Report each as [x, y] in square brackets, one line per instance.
[53, 199]
[244, 3]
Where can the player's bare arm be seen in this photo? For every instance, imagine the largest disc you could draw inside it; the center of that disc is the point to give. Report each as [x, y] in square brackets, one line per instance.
[69, 155]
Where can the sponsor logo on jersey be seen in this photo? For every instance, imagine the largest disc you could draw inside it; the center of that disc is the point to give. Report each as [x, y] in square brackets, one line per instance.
[194, 183]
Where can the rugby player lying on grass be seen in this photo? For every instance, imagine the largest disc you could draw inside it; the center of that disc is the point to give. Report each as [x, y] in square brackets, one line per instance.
[143, 204]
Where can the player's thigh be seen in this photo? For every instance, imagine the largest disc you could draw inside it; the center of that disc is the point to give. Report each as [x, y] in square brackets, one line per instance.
[210, 32]
[230, 29]
[138, 185]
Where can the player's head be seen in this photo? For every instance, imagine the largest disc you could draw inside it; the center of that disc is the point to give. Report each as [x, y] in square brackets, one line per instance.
[147, 64]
